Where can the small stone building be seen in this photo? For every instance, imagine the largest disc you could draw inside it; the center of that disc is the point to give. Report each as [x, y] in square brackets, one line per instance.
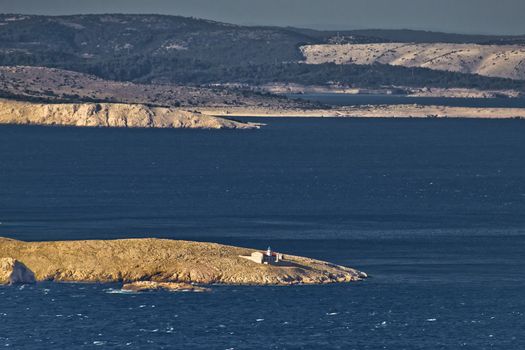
[261, 258]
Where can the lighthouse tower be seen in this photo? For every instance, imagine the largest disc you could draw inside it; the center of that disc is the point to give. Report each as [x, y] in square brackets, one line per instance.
[269, 251]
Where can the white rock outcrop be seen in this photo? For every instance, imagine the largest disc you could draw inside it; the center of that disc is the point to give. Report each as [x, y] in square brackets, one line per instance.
[111, 115]
[14, 272]
[505, 61]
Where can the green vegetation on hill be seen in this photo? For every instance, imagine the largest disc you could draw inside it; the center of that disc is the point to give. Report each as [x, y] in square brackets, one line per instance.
[148, 70]
[97, 38]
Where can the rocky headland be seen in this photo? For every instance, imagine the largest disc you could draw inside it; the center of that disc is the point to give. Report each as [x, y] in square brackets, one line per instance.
[156, 263]
[142, 116]
[111, 115]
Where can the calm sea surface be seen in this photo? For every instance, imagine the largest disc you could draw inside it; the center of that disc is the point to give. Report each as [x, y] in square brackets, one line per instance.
[433, 210]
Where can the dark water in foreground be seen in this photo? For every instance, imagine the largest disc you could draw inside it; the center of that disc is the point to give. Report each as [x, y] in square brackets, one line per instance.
[433, 210]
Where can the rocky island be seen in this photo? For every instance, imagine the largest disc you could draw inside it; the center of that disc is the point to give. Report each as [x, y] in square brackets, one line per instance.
[158, 264]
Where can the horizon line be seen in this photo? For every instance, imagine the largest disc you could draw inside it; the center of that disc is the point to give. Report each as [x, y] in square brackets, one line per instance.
[307, 27]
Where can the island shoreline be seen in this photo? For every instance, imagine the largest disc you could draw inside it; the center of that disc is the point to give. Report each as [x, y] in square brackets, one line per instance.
[121, 115]
[160, 261]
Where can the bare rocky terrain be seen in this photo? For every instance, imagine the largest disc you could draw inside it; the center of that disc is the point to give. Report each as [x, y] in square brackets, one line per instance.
[14, 272]
[161, 260]
[111, 115]
[281, 88]
[504, 61]
[59, 85]
[142, 286]
[374, 111]
[193, 76]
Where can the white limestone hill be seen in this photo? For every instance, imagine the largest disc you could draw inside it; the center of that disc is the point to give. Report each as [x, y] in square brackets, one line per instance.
[504, 61]
[111, 115]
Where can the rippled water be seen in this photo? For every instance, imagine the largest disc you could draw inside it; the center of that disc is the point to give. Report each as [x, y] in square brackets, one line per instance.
[432, 210]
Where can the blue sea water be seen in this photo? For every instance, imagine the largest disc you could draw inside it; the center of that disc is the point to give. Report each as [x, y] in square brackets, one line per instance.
[432, 210]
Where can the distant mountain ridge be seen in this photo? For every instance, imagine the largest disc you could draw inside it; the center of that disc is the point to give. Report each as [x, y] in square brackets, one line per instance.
[96, 36]
[366, 36]
[182, 50]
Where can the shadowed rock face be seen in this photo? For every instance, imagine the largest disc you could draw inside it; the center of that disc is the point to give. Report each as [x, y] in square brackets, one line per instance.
[111, 115]
[160, 260]
[14, 272]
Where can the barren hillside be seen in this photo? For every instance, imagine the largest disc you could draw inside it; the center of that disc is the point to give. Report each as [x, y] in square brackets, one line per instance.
[51, 84]
[504, 61]
[164, 260]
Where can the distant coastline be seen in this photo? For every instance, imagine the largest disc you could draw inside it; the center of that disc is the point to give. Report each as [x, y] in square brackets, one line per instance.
[142, 116]
[369, 111]
[291, 88]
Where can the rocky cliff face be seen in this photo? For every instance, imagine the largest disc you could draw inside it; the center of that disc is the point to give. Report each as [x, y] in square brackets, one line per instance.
[159, 260]
[111, 115]
[14, 272]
